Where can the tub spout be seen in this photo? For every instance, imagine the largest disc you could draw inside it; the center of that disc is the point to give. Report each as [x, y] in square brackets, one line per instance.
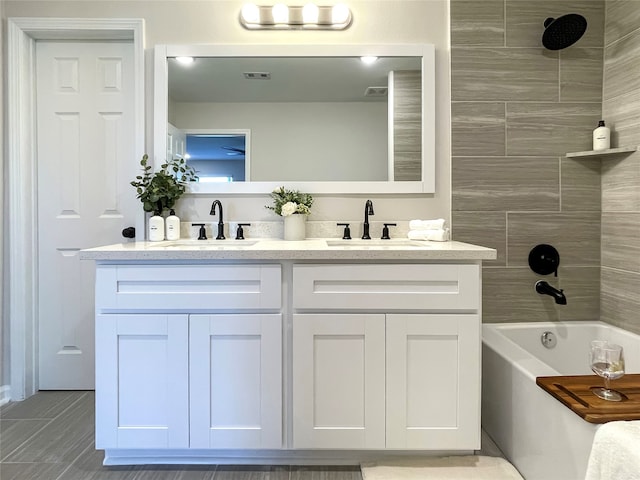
[543, 288]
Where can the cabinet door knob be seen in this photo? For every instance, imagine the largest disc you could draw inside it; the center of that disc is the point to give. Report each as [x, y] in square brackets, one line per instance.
[129, 232]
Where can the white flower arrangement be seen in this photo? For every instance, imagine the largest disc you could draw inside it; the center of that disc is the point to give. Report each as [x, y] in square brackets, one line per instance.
[289, 202]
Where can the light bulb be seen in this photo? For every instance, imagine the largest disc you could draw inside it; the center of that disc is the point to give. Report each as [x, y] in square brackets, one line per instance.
[368, 60]
[340, 14]
[310, 13]
[185, 60]
[250, 13]
[280, 13]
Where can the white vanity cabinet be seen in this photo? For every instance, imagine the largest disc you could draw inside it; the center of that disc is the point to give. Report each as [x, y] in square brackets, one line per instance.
[400, 372]
[286, 352]
[181, 380]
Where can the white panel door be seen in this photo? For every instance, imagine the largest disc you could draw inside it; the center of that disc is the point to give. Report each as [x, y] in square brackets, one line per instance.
[433, 381]
[142, 381]
[176, 142]
[338, 381]
[236, 381]
[85, 162]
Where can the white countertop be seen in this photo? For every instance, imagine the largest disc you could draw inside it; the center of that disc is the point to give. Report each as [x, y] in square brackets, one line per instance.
[276, 249]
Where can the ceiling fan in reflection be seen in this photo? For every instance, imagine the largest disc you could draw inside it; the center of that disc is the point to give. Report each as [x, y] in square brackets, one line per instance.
[234, 150]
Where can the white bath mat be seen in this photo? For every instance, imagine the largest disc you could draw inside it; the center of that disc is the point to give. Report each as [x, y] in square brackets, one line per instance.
[463, 467]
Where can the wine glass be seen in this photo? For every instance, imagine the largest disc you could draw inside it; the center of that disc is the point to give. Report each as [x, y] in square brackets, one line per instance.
[607, 361]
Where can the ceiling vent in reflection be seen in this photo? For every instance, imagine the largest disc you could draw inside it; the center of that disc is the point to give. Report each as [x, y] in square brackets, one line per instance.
[564, 31]
[257, 75]
[376, 92]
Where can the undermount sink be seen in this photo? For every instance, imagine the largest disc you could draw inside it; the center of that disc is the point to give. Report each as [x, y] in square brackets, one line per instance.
[393, 243]
[217, 244]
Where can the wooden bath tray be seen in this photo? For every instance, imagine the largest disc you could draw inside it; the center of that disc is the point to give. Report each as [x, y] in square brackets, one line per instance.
[575, 392]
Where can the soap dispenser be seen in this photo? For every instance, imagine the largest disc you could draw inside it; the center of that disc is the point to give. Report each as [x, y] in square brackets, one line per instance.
[156, 227]
[173, 226]
[601, 137]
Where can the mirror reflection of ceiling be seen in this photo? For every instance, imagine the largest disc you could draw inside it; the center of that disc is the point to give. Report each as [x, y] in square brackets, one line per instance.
[216, 147]
[292, 79]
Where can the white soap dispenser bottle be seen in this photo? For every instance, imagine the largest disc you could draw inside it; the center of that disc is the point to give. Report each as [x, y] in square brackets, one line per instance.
[156, 228]
[601, 137]
[172, 224]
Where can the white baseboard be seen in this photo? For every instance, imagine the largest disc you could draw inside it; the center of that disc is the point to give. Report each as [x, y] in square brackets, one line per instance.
[5, 394]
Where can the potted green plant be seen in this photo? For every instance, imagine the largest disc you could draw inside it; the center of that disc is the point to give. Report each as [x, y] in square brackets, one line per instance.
[161, 190]
[294, 207]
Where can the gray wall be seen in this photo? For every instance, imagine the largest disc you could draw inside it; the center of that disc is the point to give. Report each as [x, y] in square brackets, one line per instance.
[620, 276]
[517, 108]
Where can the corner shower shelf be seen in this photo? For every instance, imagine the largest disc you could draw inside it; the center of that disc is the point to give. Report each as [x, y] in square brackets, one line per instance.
[602, 153]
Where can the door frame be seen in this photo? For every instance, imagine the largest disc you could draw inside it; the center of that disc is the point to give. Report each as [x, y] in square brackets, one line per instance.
[21, 222]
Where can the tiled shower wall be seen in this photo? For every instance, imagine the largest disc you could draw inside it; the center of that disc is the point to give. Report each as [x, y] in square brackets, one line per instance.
[517, 108]
[620, 277]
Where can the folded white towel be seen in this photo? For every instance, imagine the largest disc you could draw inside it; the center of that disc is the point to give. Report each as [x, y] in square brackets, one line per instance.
[436, 224]
[435, 235]
[615, 454]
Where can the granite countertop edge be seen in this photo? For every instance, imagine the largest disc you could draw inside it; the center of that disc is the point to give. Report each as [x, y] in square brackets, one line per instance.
[273, 249]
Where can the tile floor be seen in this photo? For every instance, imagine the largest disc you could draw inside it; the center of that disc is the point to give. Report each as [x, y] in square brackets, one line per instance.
[50, 437]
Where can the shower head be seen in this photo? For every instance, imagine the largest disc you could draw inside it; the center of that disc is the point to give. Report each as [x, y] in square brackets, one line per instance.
[564, 31]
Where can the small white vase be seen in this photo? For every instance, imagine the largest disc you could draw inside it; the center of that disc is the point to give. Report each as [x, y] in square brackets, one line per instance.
[294, 227]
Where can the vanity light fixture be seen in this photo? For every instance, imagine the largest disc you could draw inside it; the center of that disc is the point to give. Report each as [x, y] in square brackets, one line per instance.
[307, 17]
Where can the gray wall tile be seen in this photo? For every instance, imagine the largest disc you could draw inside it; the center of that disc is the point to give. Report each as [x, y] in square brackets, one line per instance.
[501, 183]
[517, 74]
[621, 241]
[621, 66]
[620, 180]
[550, 128]
[553, 103]
[509, 295]
[488, 229]
[580, 184]
[622, 18]
[581, 286]
[477, 23]
[576, 236]
[525, 20]
[581, 75]
[477, 129]
[621, 116]
[619, 298]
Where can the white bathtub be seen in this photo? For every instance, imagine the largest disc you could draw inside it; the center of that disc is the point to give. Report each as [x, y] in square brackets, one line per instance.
[540, 436]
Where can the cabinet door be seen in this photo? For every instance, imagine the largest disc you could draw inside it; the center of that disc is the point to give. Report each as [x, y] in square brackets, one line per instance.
[338, 381]
[433, 381]
[236, 381]
[142, 390]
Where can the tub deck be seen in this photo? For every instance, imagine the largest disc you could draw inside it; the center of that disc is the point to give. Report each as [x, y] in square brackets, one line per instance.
[575, 392]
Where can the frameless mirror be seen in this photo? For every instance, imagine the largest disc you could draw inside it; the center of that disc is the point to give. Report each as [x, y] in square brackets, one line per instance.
[318, 118]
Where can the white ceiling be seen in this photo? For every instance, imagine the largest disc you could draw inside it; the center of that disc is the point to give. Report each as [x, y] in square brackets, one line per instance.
[316, 79]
